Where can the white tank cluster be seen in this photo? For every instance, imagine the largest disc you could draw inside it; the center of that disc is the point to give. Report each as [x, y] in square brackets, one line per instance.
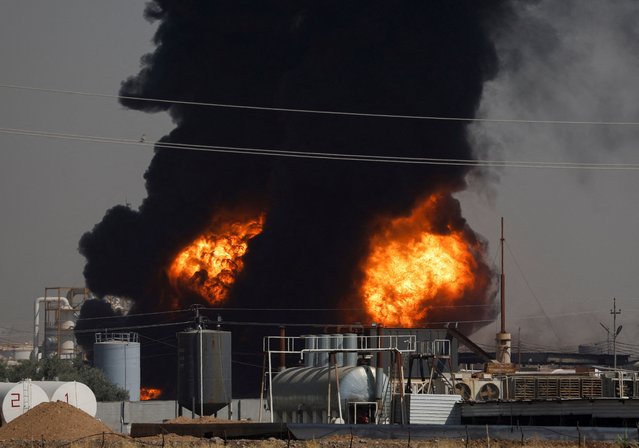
[18, 398]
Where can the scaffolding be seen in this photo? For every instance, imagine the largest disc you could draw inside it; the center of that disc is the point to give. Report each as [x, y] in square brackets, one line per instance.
[61, 311]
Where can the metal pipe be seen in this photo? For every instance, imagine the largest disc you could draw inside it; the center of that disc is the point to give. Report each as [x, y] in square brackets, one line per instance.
[339, 395]
[282, 349]
[262, 388]
[379, 377]
[400, 363]
[201, 375]
[328, 416]
[270, 384]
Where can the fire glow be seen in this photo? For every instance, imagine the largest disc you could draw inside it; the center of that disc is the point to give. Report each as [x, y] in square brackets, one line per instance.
[412, 268]
[210, 264]
[149, 393]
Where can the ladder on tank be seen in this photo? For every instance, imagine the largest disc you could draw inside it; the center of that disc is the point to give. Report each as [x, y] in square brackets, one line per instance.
[26, 395]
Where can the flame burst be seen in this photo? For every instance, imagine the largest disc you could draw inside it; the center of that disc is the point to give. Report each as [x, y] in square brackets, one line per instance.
[209, 265]
[411, 267]
[149, 393]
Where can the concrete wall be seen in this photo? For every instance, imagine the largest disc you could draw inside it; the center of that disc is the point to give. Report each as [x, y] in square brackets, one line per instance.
[246, 409]
[118, 415]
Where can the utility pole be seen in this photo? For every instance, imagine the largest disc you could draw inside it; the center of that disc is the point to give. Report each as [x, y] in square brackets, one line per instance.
[614, 311]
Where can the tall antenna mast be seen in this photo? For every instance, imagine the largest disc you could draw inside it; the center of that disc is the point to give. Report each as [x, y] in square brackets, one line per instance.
[503, 339]
[503, 281]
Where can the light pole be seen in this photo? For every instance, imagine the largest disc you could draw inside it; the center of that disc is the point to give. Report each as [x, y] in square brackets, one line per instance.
[614, 311]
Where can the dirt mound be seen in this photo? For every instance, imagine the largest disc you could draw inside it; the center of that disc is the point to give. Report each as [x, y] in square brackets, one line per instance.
[53, 421]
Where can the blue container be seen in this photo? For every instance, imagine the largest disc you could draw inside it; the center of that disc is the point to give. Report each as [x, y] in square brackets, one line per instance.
[118, 356]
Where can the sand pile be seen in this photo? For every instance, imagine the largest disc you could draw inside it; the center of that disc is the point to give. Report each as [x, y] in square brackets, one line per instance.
[53, 421]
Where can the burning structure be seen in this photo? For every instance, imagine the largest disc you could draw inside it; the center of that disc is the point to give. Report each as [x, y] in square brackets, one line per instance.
[315, 226]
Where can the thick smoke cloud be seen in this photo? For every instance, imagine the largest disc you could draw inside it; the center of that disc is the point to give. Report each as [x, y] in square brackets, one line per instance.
[409, 58]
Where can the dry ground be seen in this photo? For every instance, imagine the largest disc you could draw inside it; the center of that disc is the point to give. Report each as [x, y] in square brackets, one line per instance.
[172, 440]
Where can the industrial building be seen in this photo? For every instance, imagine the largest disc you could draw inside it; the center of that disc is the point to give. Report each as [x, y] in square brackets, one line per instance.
[355, 376]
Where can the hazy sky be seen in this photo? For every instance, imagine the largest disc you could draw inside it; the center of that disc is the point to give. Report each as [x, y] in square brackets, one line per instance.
[571, 234]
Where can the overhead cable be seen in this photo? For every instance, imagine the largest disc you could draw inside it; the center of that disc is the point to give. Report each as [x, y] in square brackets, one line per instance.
[324, 156]
[321, 112]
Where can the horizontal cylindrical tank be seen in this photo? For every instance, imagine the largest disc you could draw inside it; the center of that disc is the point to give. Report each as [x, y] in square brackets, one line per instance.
[204, 370]
[71, 392]
[307, 387]
[18, 398]
[118, 356]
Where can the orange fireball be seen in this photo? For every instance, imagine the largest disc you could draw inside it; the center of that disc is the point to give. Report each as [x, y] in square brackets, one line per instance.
[149, 393]
[209, 265]
[414, 265]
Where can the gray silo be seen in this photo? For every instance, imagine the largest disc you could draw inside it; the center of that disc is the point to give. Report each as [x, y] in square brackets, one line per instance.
[204, 370]
[118, 356]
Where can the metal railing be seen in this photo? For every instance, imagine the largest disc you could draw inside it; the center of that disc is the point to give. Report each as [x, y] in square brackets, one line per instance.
[116, 337]
[297, 344]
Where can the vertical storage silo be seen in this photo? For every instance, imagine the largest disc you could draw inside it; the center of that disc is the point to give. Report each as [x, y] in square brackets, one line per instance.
[310, 343]
[118, 356]
[350, 343]
[204, 370]
[337, 343]
[323, 343]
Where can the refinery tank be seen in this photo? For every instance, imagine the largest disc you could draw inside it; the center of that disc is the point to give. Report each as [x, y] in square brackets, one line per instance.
[305, 389]
[72, 392]
[18, 398]
[118, 356]
[204, 370]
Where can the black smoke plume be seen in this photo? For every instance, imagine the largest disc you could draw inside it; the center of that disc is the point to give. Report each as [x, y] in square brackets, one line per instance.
[427, 58]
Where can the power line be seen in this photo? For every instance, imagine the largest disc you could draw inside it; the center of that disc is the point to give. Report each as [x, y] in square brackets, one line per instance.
[126, 316]
[337, 309]
[325, 156]
[130, 327]
[321, 112]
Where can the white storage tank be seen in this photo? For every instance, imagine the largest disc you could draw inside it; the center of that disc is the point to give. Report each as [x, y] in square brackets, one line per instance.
[71, 392]
[118, 356]
[18, 398]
